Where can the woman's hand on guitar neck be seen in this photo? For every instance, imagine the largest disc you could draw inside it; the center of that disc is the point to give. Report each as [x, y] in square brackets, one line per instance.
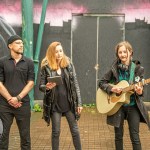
[138, 89]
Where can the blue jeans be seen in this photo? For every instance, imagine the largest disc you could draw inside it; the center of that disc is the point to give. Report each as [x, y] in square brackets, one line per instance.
[56, 121]
[132, 114]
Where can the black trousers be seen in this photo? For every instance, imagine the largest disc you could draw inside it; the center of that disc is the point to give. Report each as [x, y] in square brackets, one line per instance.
[132, 114]
[22, 116]
[56, 122]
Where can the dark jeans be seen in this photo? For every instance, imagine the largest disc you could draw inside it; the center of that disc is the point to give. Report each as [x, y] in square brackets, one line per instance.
[22, 116]
[56, 121]
[132, 114]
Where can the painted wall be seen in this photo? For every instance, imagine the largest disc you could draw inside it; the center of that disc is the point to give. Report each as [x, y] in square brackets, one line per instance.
[58, 25]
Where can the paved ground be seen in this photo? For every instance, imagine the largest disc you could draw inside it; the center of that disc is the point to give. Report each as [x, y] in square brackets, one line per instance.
[95, 133]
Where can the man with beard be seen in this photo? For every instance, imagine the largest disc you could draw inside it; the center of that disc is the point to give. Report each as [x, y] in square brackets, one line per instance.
[16, 80]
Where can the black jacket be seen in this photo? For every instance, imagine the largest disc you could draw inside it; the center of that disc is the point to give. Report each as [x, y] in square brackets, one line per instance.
[112, 76]
[49, 96]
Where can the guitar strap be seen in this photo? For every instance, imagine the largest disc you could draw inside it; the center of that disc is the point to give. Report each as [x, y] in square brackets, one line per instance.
[132, 69]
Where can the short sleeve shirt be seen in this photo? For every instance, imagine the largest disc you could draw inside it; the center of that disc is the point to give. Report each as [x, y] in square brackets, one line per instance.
[15, 76]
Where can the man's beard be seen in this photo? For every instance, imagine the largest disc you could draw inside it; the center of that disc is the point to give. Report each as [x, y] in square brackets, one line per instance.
[19, 53]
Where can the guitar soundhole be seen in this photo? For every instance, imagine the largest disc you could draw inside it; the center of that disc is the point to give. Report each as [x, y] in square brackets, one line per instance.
[115, 98]
[118, 94]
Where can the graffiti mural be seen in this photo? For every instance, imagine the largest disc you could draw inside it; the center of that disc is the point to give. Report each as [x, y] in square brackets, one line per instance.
[60, 11]
[6, 30]
[58, 19]
[138, 10]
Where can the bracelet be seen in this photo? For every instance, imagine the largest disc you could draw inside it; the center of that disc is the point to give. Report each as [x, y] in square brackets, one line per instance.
[18, 98]
[9, 99]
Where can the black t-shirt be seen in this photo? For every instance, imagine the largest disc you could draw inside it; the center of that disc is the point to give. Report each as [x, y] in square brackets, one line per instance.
[62, 104]
[15, 76]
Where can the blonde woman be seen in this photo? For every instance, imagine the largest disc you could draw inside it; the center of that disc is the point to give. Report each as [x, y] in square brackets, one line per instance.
[63, 99]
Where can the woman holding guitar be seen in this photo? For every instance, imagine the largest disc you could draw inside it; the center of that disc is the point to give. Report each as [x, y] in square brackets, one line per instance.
[134, 112]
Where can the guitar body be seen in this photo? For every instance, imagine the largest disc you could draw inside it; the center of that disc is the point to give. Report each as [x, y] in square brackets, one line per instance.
[110, 104]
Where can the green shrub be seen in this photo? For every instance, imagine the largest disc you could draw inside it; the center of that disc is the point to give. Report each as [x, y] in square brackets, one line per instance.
[37, 108]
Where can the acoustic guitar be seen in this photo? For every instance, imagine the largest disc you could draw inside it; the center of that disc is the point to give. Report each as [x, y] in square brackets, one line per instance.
[110, 104]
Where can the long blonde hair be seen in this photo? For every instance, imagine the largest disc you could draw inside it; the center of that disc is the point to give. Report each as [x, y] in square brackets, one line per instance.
[50, 58]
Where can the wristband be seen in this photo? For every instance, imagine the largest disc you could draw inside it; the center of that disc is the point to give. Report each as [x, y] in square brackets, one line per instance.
[9, 99]
[18, 98]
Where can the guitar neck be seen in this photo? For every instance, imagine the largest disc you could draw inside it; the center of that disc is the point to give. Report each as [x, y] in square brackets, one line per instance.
[131, 87]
